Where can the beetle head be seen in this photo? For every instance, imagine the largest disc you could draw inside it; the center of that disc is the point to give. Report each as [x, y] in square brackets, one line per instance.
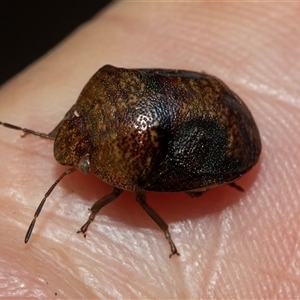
[72, 142]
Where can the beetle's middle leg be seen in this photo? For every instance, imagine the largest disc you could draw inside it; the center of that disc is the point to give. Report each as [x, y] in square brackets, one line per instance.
[141, 199]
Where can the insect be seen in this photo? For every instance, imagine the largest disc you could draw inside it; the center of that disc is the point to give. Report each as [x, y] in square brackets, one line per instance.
[154, 130]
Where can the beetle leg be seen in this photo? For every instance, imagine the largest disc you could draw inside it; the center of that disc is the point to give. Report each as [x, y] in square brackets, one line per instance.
[195, 194]
[141, 199]
[236, 186]
[97, 206]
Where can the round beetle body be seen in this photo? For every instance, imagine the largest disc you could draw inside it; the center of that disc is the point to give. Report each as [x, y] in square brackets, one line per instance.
[159, 130]
[154, 130]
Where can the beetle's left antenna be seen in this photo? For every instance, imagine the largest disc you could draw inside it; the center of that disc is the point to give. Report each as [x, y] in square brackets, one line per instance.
[39, 209]
[27, 131]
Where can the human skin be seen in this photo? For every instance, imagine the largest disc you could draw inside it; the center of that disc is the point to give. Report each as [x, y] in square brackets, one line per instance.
[233, 245]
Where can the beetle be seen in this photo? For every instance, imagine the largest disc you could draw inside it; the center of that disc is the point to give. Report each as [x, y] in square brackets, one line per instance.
[154, 130]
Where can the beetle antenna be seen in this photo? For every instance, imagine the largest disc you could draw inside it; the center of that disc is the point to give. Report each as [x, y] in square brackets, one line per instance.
[39, 209]
[27, 131]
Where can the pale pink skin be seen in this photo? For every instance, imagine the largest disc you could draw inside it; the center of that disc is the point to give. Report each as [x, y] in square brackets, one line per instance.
[232, 244]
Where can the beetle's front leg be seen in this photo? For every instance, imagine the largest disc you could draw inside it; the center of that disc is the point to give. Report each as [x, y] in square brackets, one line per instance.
[97, 206]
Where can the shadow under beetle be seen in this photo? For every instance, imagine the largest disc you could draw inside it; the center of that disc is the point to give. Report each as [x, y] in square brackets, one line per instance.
[154, 130]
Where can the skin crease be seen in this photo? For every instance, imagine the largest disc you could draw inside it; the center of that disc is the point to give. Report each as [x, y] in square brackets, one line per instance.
[232, 244]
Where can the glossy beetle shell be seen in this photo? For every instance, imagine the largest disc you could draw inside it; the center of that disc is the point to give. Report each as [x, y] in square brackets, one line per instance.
[159, 130]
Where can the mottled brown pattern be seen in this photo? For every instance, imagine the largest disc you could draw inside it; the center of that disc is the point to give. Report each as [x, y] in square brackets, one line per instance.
[161, 130]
